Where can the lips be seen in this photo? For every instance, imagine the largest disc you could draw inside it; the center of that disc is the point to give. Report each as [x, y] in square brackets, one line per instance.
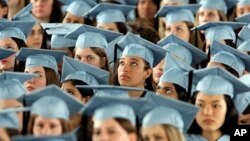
[3, 61]
[158, 74]
[208, 121]
[123, 76]
[30, 88]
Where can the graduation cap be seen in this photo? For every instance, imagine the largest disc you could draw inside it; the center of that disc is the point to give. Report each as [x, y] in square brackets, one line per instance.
[103, 90]
[175, 14]
[40, 57]
[216, 80]
[245, 46]
[243, 35]
[21, 77]
[214, 4]
[44, 102]
[123, 2]
[230, 56]
[244, 18]
[59, 41]
[163, 110]
[80, 8]
[243, 2]
[63, 137]
[9, 119]
[219, 30]
[88, 36]
[110, 13]
[75, 70]
[174, 71]
[4, 53]
[133, 45]
[25, 14]
[105, 107]
[60, 28]
[183, 50]
[16, 29]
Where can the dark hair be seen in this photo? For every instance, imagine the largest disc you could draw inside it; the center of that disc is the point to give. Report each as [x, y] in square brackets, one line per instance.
[84, 92]
[19, 67]
[12, 132]
[182, 93]
[56, 15]
[101, 53]
[122, 27]
[247, 110]
[231, 70]
[51, 77]
[44, 41]
[4, 4]
[231, 117]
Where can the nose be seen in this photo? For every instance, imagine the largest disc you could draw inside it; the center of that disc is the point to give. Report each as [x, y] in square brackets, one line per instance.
[45, 130]
[103, 137]
[32, 80]
[207, 110]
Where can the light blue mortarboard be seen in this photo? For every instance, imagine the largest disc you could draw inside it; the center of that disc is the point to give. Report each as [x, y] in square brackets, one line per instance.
[174, 71]
[60, 28]
[183, 50]
[175, 14]
[216, 80]
[63, 137]
[103, 90]
[245, 46]
[16, 29]
[133, 45]
[44, 102]
[244, 18]
[75, 70]
[106, 107]
[9, 119]
[25, 14]
[59, 41]
[11, 86]
[88, 36]
[243, 35]
[4, 53]
[219, 30]
[110, 13]
[123, 2]
[243, 2]
[243, 100]
[163, 110]
[80, 8]
[230, 56]
[40, 57]
[214, 4]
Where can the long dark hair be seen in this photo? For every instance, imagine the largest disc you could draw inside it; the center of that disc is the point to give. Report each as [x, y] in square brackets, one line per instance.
[182, 93]
[56, 15]
[19, 67]
[231, 118]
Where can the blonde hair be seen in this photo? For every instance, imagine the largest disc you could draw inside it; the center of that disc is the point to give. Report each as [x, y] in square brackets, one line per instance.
[173, 133]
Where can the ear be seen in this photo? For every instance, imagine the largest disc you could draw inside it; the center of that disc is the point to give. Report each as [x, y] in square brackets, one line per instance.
[147, 73]
[132, 137]
[103, 61]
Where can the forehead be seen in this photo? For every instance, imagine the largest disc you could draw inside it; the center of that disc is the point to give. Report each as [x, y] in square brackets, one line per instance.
[6, 41]
[132, 58]
[34, 69]
[209, 98]
[180, 23]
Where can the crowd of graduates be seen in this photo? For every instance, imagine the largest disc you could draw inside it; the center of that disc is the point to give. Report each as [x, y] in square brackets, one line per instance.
[124, 70]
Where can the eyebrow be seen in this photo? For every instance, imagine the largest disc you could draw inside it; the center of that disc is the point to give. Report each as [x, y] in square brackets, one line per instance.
[213, 101]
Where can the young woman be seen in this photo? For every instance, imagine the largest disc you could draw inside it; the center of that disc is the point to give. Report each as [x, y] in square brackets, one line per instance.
[13, 38]
[217, 116]
[114, 118]
[44, 120]
[76, 12]
[111, 16]
[41, 62]
[90, 45]
[37, 38]
[138, 58]
[78, 73]
[48, 11]
[242, 8]
[166, 119]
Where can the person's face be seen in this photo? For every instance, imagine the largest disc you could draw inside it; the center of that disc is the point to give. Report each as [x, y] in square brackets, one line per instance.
[36, 82]
[154, 133]
[69, 18]
[242, 9]
[212, 113]
[131, 72]
[9, 62]
[108, 26]
[207, 15]
[244, 119]
[35, 37]
[167, 89]
[180, 29]
[109, 130]
[158, 71]
[71, 89]
[47, 127]
[13, 103]
[146, 9]
[86, 55]
[4, 135]
[42, 9]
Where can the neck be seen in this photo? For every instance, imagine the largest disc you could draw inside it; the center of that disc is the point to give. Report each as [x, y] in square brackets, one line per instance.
[211, 135]
[12, 12]
[136, 94]
[44, 20]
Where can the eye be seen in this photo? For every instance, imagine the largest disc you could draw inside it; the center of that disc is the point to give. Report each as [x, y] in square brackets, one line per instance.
[168, 29]
[9, 48]
[96, 132]
[179, 29]
[77, 57]
[90, 58]
[199, 105]
[71, 92]
[134, 64]
[216, 105]
[121, 62]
